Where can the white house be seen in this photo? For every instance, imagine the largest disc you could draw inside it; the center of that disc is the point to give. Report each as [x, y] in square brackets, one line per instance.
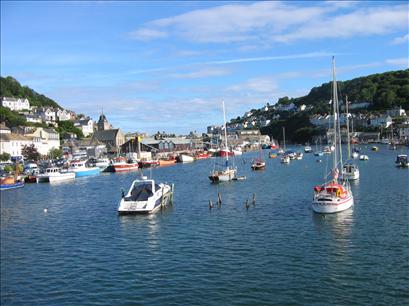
[86, 126]
[13, 143]
[64, 115]
[45, 140]
[287, 108]
[15, 104]
[47, 114]
[302, 107]
[33, 118]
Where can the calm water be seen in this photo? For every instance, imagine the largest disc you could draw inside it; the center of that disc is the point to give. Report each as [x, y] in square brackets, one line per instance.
[278, 252]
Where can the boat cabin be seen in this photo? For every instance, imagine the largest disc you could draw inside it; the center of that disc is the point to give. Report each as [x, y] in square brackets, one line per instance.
[142, 190]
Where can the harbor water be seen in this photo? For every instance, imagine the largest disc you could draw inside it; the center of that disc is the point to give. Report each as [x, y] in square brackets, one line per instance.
[65, 244]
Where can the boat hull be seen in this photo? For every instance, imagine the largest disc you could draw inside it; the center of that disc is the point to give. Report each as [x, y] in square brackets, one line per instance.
[87, 172]
[161, 198]
[11, 186]
[125, 168]
[333, 205]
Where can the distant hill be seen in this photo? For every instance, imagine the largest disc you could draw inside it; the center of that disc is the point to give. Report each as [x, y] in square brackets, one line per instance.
[10, 87]
[381, 90]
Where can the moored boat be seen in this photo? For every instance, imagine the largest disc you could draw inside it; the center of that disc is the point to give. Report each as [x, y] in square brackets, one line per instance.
[307, 149]
[122, 164]
[183, 158]
[54, 174]
[148, 163]
[10, 183]
[333, 196]
[80, 169]
[402, 161]
[144, 197]
[258, 165]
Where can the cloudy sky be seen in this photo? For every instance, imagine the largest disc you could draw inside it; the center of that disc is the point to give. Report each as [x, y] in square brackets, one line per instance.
[168, 65]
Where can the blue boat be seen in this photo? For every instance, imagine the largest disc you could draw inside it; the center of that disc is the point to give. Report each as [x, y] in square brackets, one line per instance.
[14, 185]
[81, 169]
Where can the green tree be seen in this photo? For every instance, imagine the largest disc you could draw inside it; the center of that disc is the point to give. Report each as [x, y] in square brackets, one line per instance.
[65, 127]
[4, 156]
[30, 152]
[55, 153]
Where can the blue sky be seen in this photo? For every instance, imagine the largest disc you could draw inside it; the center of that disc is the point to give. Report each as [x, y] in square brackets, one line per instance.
[168, 65]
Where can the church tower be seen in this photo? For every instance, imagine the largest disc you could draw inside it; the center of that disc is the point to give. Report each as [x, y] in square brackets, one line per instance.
[103, 123]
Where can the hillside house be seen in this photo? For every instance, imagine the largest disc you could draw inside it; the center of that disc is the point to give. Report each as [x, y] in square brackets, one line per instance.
[15, 104]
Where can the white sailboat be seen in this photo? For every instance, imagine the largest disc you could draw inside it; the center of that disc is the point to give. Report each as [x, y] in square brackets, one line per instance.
[333, 196]
[286, 158]
[227, 173]
[350, 170]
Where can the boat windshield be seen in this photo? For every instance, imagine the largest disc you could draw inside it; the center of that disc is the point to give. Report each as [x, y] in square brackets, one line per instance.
[142, 192]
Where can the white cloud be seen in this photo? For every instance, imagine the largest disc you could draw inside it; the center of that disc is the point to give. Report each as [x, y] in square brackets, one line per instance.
[261, 85]
[260, 22]
[400, 62]
[147, 34]
[202, 73]
[401, 40]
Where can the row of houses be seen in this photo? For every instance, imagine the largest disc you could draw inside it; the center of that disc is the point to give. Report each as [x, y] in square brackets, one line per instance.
[43, 139]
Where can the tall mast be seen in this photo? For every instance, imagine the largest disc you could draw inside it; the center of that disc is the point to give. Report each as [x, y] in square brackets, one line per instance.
[284, 136]
[225, 132]
[334, 103]
[349, 142]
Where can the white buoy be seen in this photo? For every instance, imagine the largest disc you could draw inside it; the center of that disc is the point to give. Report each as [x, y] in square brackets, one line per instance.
[45, 210]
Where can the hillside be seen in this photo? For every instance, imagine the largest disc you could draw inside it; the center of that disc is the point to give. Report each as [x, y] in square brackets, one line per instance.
[10, 87]
[382, 90]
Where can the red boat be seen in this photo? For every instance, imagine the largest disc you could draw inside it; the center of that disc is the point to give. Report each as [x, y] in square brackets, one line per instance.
[148, 163]
[121, 164]
[224, 153]
[203, 155]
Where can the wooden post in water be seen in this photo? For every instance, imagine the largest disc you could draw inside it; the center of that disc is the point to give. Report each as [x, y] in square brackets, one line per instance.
[219, 199]
[247, 204]
[254, 199]
[210, 204]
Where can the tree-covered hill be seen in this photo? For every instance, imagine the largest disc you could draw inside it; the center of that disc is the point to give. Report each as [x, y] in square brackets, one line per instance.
[381, 90]
[10, 87]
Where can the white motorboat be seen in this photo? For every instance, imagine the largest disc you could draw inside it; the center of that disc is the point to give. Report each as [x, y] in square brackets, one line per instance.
[350, 171]
[299, 155]
[355, 155]
[285, 159]
[183, 158]
[363, 157]
[402, 161]
[307, 149]
[145, 196]
[80, 169]
[55, 174]
[333, 196]
[226, 173]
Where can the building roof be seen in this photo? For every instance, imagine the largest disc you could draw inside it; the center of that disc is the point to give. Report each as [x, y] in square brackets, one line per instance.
[105, 135]
[12, 136]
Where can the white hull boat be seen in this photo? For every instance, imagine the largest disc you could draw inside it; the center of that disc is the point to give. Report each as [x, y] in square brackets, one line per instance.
[333, 196]
[226, 175]
[186, 158]
[53, 175]
[328, 202]
[350, 172]
[363, 157]
[145, 197]
[285, 159]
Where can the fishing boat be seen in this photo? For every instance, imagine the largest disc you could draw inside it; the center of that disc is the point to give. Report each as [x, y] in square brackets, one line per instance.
[171, 160]
[122, 164]
[145, 196]
[54, 174]
[80, 168]
[350, 170]
[402, 161]
[183, 158]
[226, 173]
[203, 155]
[148, 163]
[333, 196]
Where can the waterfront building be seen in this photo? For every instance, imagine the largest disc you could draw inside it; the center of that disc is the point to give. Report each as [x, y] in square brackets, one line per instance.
[13, 143]
[44, 139]
[15, 104]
